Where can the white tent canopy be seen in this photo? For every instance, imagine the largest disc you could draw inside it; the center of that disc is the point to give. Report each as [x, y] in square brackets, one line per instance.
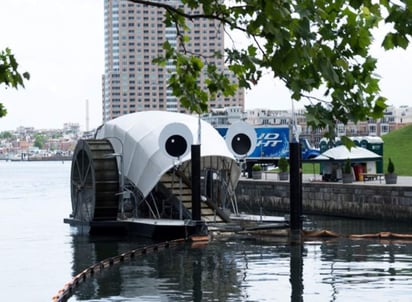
[136, 137]
[341, 153]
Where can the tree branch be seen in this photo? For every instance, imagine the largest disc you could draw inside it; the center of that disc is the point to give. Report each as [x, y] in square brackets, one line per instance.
[174, 10]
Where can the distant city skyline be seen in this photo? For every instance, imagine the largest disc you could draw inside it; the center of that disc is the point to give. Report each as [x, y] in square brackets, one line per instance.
[61, 44]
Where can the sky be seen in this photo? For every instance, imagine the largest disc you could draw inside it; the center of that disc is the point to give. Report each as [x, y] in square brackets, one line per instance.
[61, 44]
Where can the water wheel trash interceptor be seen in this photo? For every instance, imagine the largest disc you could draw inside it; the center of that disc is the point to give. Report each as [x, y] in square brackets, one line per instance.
[135, 176]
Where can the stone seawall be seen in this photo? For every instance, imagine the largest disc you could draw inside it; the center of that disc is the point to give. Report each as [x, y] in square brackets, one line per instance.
[384, 202]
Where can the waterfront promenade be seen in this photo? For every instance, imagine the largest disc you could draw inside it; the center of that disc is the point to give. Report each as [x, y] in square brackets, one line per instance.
[360, 199]
[308, 178]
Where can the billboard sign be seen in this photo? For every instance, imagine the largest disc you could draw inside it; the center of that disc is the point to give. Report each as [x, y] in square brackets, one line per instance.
[271, 142]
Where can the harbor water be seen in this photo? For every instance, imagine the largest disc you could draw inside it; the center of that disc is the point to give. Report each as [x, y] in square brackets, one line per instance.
[40, 254]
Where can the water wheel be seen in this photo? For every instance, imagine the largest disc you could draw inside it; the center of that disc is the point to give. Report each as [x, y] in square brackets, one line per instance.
[94, 181]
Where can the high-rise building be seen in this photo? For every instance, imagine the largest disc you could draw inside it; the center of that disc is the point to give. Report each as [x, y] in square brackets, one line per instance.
[134, 36]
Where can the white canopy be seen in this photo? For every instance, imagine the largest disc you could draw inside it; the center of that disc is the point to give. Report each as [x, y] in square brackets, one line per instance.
[341, 153]
[136, 137]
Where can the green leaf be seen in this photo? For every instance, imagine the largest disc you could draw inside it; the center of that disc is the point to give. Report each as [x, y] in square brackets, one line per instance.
[9, 74]
[346, 141]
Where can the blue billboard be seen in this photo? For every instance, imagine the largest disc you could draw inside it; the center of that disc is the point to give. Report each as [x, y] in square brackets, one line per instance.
[270, 142]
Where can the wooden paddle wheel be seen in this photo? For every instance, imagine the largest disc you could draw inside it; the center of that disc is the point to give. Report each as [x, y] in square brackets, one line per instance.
[94, 181]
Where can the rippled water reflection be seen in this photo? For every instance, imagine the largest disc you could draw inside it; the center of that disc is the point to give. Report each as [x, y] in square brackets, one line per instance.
[244, 269]
[40, 254]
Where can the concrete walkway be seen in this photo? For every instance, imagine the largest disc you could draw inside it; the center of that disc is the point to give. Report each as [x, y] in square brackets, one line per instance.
[402, 180]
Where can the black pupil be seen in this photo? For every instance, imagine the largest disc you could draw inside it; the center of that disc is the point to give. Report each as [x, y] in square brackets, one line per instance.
[241, 144]
[176, 145]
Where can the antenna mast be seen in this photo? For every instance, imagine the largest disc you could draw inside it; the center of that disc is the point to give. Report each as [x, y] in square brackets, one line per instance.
[87, 115]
